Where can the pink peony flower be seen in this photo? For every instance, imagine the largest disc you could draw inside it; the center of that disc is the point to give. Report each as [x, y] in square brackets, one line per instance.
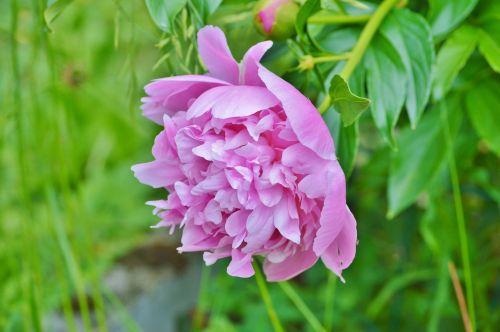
[249, 165]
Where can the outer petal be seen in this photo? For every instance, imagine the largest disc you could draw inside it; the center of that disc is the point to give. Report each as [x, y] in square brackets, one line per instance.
[334, 211]
[304, 119]
[232, 101]
[249, 65]
[171, 94]
[157, 173]
[340, 254]
[290, 267]
[215, 54]
[240, 265]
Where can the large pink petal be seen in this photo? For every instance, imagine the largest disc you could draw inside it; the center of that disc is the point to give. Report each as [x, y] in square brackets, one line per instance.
[290, 267]
[216, 56]
[287, 226]
[304, 119]
[249, 65]
[232, 101]
[172, 94]
[340, 254]
[333, 215]
[158, 173]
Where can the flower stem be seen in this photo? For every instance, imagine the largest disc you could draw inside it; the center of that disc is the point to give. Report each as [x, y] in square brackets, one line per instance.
[338, 19]
[459, 212]
[359, 49]
[329, 296]
[266, 297]
[301, 306]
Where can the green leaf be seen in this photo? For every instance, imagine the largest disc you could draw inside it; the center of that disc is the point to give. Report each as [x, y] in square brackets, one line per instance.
[346, 138]
[345, 102]
[445, 15]
[386, 82]
[483, 107]
[489, 43]
[205, 7]
[306, 10]
[452, 57]
[411, 36]
[163, 12]
[421, 157]
[54, 9]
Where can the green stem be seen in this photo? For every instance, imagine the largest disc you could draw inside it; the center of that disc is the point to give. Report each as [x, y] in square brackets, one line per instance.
[329, 296]
[331, 58]
[338, 19]
[301, 306]
[266, 297]
[363, 42]
[459, 212]
[200, 307]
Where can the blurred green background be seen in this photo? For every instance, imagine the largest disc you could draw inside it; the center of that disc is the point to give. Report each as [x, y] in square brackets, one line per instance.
[72, 214]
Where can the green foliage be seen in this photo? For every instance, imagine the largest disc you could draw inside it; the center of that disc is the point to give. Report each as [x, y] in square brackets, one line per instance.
[445, 15]
[163, 12]
[345, 102]
[386, 83]
[54, 9]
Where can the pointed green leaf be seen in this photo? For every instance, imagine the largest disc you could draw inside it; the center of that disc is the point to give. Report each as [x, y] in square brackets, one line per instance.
[345, 102]
[489, 43]
[411, 36]
[483, 107]
[421, 157]
[452, 57]
[386, 82]
[163, 12]
[445, 15]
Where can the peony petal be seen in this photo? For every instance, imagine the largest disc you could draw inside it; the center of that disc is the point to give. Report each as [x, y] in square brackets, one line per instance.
[232, 101]
[212, 212]
[304, 118]
[241, 265]
[334, 210]
[249, 65]
[260, 227]
[158, 173]
[172, 94]
[287, 226]
[340, 254]
[302, 160]
[235, 223]
[315, 185]
[290, 267]
[216, 56]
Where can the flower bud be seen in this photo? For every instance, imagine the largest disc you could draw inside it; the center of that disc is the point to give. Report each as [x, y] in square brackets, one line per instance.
[276, 18]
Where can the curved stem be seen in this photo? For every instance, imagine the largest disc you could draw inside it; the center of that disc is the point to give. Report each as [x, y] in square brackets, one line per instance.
[338, 19]
[366, 36]
[266, 297]
[459, 211]
[301, 306]
[359, 49]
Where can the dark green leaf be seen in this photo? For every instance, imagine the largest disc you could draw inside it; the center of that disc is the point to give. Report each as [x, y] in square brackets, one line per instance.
[306, 10]
[204, 8]
[452, 57]
[386, 83]
[411, 37]
[54, 9]
[345, 102]
[163, 12]
[421, 157]
[483, 107]
[445, 15]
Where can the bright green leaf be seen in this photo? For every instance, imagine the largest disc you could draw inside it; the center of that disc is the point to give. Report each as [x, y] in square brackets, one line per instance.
[386, 82]
[483, 107]
[54, 9]
[163, 12]
[306, 10]
[410, 35]
[489, 43]
[452, 57]
[421, 157]
[345, 102]
[445, 15]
